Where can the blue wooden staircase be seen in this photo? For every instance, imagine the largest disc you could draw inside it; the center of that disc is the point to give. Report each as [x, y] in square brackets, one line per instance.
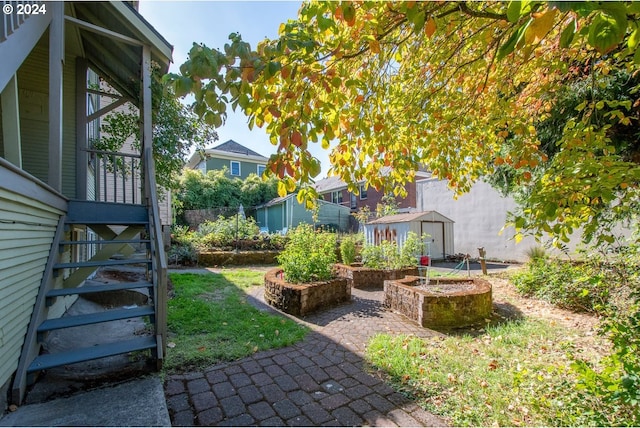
[132, 221]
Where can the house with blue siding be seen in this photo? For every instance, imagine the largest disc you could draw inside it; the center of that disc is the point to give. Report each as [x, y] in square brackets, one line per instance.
[284, 213]
[59, 220]
[238, 160]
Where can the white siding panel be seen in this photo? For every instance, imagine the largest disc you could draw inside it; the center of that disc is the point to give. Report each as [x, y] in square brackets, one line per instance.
[22, 262]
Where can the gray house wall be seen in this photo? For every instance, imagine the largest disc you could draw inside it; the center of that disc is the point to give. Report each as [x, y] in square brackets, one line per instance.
[479, 217]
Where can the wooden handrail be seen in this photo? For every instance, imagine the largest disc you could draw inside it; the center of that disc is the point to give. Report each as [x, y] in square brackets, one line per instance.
[158, 256]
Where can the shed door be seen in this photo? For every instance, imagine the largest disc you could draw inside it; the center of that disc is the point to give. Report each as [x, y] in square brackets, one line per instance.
[436, 231]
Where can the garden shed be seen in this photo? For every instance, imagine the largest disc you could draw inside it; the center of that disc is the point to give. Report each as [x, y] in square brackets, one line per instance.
[396, 227]
[286, 212]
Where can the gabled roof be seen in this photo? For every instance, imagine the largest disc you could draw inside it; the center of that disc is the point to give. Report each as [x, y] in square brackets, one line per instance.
[234, 147]
[227, 150]
[407, 217]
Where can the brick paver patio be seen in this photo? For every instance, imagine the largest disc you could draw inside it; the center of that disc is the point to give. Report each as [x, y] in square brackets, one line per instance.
[317, 382]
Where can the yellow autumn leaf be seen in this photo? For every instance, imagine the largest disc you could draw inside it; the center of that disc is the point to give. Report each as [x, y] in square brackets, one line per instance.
[540, 26]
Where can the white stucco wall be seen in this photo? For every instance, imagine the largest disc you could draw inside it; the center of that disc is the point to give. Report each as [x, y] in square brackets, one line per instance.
[479, 216]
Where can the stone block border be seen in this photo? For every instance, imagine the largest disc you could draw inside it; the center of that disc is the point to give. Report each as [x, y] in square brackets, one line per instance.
[438, 308]
[364, 277]
[302, 299]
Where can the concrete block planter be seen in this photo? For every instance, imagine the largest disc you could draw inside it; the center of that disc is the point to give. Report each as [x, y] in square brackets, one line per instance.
[302, 299]
[359, 276]
[444, 303]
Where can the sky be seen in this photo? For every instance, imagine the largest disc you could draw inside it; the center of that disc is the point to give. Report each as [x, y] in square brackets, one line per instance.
[210, 22]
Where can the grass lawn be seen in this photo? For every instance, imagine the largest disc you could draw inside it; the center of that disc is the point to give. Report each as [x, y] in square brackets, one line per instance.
[514, 374]
[210, 321]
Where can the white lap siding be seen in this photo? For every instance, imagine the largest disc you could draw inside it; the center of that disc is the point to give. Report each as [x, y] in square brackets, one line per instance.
[27, 228]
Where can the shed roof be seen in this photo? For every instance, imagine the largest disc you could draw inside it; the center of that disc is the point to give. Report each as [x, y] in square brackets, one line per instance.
[408, 217]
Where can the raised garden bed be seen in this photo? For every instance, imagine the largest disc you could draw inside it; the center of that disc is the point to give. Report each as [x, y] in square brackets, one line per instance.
[302, 299]
[444, 303]
[359, 276]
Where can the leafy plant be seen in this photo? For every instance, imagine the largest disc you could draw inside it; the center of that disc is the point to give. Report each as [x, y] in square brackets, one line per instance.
[580, 286]
[224, 231]
[348, 249]
[387, 255]
[536, 253]
[216, 189]
[309, 255]
[183, 246]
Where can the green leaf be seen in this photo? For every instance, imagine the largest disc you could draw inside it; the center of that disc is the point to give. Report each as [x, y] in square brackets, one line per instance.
[511, 43]
[210, 118]
[273, 68]
[349, 12]
[513, 11]
[634, 38]
[550, 210]
[418, 22]
[567, 34]
[314, 167]
[607, 30]
[636, 57]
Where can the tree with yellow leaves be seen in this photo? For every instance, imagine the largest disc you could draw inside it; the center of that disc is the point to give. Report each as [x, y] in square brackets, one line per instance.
[460, 88]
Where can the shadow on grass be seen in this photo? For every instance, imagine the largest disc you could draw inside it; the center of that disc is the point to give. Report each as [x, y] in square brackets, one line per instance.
[211, 321]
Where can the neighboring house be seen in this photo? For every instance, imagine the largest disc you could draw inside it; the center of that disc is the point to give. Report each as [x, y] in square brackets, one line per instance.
[239, 160]
[333, 189]
[56, 226]
[281, 214]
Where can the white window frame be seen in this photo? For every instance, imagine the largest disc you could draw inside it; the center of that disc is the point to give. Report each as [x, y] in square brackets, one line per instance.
[354, 200]
[231, 168]
[264, 167]
[336, 196]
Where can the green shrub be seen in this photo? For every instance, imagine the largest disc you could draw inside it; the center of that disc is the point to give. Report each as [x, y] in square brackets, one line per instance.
[348, 249]
[225, 230]
[582, 287]
[309, 255]
[183, 246]
[616, 378]
[536, 252]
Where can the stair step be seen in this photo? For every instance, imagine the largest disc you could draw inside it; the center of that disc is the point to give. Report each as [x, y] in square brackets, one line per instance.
[91, 212]
[47, 361]
[99, 263]
[94, 318]
[87, 289]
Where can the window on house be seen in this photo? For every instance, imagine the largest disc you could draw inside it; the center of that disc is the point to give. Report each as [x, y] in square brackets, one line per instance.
[354, 202]
[235, 168]
[261, 169]
[336, 197]
[363, 192]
